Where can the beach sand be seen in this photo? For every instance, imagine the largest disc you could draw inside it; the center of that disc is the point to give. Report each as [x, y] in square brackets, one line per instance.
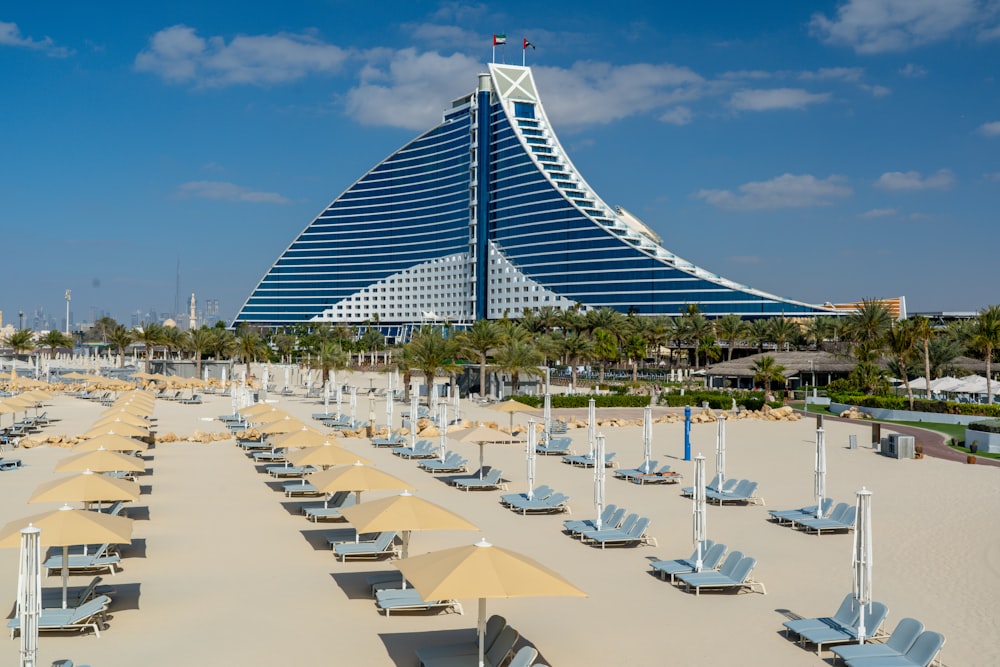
[224, 570]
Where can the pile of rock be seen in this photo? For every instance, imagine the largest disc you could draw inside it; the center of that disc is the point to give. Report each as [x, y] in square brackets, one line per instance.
[854, 412]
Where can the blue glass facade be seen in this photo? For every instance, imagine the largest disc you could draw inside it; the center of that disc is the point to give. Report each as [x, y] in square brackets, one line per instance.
[490, 180]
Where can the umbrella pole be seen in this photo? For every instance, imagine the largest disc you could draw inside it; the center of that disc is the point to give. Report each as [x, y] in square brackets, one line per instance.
[482, 448]
[65, 574]
[405, 552]
[481, 628]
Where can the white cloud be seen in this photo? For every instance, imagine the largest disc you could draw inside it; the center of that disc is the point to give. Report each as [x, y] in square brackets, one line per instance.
[879, 213]
[785, 191]
[409, 89]
[179, 55]
[220, 190]
[677, 116]
[775, 98]
[992, 177]
[595, 92]
[990, 129]
[912, 181]
[748, 74]
[852, 74]
[912, 71]
[10, 35]
[877, 26]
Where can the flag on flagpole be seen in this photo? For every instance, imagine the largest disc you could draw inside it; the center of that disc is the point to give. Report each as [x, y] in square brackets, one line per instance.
[499, 39]
[527, 44]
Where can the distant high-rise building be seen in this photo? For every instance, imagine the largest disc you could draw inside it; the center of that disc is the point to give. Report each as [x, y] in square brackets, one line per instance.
[482, 216]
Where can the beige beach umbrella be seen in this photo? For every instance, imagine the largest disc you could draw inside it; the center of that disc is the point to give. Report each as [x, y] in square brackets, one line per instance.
[261, 408]
[482, 571]
[118, 429]
[128, 413]
[325, 456]
[357, 478]
[122, 417]
[101, 460]
[284, 425]
[132, 408]
[66, 527]
[303, 437]
[114, 442]
[20, 404]
[404, 513]
[483, 435]
[511, 406]
[87, 487]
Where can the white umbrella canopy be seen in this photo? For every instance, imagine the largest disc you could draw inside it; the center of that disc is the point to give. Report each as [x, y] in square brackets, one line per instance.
[531, 455]
[591, 425]
[599, 480]
[720, 449]
[699, 510]
[482, 571]
[862, 561]
[820, 475]
[647, 438]
[29, 593]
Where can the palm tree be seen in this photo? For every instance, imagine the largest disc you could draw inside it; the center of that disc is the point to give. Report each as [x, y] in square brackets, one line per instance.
[635, 348]
[869, 323]
[173, 339]
[431, 351]
[330, 355]
[121, 337]
[577, 347]
[514, 358]
[53, 339]
[758, 333]
[923, 330]
[285, 344]
[781, 330]
[986, 339]
[250, 347]
[708, 346]
[477, 341]
[22, 341]
[732, 329]
[767, 371]
[605, 349]
[150, 334]
[199, 342]
[902, 344]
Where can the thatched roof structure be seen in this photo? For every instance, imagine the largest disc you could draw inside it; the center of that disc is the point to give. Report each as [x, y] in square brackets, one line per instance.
[795, 364]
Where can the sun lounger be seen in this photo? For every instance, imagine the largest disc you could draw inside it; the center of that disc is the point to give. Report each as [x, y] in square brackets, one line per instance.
[98, 560]
[540, 493]
[835, 523]
[921, 654]
[498, 652]
[300, 488]
[494, 626]
[382, 545]
[633, 536]
[330, 510]
[587, 461]
[424, 449]
[662, 476]
[845, 616]
[577, 526]
[789, 516]
[745, 492]
[713, 485]
[250, 445]
[559, 426]
[269, 456]
[75, 596]
[728, 577]
[874, 615]
[557, 502]
[10, 464]
[452, 463]
[394, 440]
[90, 614]
[554, 446]
[492, 480]
[195, 399]
[407, 599]
[290, 471]
[711, 556]
[898, 643]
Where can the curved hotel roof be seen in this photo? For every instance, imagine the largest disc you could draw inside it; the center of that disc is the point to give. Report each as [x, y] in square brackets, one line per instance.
[484, 215]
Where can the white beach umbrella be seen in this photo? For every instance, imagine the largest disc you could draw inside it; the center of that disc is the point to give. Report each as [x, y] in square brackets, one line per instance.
[456, 403]
[29, 593]
[326, 398]
[413, 419]
[820, 480]
[223, 376]
[354, 404]
[339, 392]
[599, 473]
[444, 431]
[388, 410]
[547, 416]
[531, 455]
[700, 510]
[647, 438]
[591, 425]
[862, 559]
[720, 449]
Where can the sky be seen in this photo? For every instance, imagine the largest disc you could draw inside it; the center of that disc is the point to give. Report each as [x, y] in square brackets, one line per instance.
[823, 151]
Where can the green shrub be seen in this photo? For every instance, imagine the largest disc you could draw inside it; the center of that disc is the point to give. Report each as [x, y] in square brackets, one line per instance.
[987, 426]
[919, 405]
[582, 401]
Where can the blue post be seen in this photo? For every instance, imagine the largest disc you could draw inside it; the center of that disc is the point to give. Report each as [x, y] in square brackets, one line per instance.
[687, 432]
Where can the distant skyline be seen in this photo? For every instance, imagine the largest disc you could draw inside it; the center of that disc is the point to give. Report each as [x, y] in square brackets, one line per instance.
[827, 151]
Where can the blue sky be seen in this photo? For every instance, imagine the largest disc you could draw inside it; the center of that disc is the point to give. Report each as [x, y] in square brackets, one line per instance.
[826, 151]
